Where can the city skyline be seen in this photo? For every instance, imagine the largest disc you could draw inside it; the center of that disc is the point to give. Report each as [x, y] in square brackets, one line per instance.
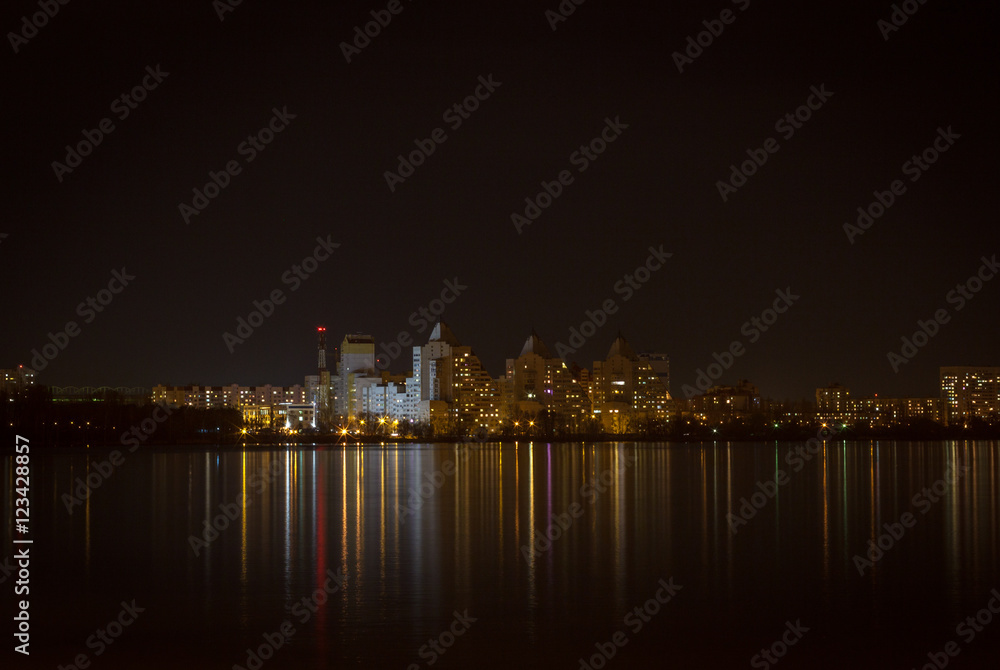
[447, 383]
[393, 357]
[748, 166]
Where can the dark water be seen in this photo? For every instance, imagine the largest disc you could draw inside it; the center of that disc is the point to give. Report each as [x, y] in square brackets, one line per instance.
[661, 514]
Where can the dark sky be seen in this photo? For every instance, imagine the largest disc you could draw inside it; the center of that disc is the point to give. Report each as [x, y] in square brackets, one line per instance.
[655, 185]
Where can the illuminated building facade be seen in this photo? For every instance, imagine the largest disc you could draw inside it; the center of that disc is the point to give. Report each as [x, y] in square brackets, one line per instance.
[626, 390]
[538, 383]
[449, 388]
[355, 368]
[234, 396]
[833, 401]
[17, 380]
[725, 403]
[834, 404]
[971, 392]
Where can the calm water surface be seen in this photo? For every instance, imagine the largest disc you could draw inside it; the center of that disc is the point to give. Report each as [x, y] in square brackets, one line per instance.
[423, 532]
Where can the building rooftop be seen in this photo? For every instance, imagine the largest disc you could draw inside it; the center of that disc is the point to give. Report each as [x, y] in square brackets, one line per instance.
[442, 333]
[534, 345]
[620, 347]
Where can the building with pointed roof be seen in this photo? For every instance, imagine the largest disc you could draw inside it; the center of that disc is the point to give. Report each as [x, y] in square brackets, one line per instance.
[449, 387]
[621, 347]
[534, 345]
[442, 333]
[626, 389]
[540, 386]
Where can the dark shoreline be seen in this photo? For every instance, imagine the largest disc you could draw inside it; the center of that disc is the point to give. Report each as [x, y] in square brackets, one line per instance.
[114, 424]
[394, 442]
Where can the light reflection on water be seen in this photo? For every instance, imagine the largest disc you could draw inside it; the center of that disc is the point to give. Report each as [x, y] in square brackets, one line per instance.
[647, 511]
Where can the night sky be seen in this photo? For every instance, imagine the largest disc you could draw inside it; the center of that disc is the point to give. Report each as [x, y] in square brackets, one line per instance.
[654, 186]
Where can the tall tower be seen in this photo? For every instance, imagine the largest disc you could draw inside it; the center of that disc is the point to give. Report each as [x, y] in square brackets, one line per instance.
[321, 332]
[323, 400]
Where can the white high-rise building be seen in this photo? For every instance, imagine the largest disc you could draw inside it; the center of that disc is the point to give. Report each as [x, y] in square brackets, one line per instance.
[355, 362]
[388, 399]
[426, 381]
[449, 387]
